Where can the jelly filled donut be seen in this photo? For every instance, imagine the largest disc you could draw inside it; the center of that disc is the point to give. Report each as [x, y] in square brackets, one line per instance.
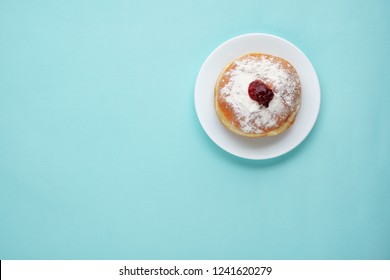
[258, 95]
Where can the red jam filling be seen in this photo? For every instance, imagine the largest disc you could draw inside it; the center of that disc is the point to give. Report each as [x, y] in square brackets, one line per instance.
[260, 92]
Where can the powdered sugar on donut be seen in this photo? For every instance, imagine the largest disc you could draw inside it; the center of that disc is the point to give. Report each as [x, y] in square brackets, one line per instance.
[253, 117]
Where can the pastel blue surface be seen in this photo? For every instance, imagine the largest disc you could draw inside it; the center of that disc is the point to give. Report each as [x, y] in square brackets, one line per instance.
[102, 155]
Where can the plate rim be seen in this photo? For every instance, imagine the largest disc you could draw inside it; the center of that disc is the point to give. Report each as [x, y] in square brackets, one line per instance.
[316, 84]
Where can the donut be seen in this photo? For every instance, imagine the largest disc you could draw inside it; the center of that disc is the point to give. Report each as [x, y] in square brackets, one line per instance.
[258, 95]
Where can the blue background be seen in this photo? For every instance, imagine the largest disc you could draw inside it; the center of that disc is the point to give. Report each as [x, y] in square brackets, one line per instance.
[102, 155]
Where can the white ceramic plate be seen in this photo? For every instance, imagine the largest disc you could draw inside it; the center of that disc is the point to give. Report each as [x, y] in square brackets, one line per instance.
[257, 148]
